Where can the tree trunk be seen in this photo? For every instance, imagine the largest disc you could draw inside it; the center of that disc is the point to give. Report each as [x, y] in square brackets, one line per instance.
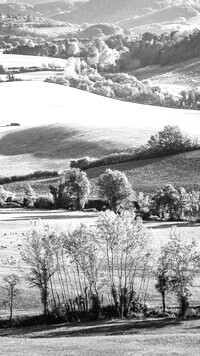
[163, 301]
[11, 311]
[184, 304]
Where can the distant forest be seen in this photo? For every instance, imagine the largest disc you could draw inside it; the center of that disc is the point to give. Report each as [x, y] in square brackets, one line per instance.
[120, 51]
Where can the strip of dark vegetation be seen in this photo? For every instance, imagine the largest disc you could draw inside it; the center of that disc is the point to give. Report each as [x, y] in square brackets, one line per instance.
[27, 177]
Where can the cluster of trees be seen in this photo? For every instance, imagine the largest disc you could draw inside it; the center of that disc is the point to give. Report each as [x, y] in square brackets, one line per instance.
[170, 140]
[120, 52]
[119, 86]
[97, 65]
[178, 204]
[122, 86]
[105, 270]
[27, 199]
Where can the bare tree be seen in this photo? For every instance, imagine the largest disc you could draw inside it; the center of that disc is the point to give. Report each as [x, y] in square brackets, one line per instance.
[11, 291]
[38, 254]
[124, 244]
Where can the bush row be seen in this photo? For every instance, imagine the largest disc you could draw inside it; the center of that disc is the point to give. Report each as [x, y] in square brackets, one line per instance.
[140, 153]
[171, 140]
[35, 175]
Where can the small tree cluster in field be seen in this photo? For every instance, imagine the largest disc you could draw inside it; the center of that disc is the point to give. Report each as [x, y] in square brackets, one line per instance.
[170, 203]
[86, 271]
[170, 140]
[76, 269]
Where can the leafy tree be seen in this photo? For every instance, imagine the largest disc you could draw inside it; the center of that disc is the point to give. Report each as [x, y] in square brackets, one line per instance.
[182, 264]
[29, 196]
[73, 190]
[115, 188]
[38, 254]
[176, 204]
[166, 202]
[11, 291]
[76, 188]
[171, 140]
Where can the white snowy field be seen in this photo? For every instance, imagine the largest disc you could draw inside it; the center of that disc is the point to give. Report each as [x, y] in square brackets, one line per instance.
[39, 103]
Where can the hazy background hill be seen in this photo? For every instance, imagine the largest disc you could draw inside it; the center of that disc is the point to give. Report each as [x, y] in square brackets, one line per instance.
[152, 15]
[132, 13]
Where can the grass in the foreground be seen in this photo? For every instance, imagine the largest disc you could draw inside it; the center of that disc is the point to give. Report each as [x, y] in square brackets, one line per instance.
[148, 337]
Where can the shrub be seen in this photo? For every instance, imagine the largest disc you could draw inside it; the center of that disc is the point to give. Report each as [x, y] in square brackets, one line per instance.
[44, 202]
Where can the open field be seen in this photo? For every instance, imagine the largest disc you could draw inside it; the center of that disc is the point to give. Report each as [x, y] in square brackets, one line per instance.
[17, 61]
[55, 127]
[36, 75]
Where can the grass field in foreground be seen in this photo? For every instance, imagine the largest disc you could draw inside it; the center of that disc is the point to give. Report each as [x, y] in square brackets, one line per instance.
[15, 222]
[164, 337]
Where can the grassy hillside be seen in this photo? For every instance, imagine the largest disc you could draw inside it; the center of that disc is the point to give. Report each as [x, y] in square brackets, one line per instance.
[145, 175]
[152, 174]
[174, 78]
[60, 123]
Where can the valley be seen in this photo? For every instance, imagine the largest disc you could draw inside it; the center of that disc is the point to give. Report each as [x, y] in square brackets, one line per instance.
[109, 254]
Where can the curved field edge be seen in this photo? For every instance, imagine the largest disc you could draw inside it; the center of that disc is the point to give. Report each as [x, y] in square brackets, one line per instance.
[61, 123]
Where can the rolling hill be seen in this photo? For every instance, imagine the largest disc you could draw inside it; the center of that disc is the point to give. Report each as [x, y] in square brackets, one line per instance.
[141, 15]
[59, 123]
[172, 78]
[132, 13]
[181, 170]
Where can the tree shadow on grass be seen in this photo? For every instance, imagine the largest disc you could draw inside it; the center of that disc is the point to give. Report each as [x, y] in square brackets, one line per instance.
[173, 224]
[49, 217]
[117, 327]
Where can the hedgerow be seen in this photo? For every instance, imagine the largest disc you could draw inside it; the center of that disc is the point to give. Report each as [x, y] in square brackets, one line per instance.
[26, 177]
